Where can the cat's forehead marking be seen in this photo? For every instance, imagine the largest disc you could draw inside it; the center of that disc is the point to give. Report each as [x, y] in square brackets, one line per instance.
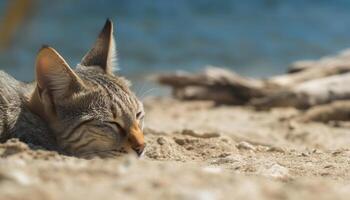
[115, 90]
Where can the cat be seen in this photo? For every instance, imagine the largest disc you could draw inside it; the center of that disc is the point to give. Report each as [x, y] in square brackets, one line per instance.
[85, 112]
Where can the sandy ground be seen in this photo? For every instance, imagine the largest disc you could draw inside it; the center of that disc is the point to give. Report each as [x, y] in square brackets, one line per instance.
[196, 151]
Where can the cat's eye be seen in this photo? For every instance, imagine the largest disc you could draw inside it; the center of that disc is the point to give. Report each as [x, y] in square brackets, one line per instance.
[138, 115]
[118, 126]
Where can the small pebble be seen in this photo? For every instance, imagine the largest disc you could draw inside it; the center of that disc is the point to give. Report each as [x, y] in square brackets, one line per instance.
[245, 146]
[304, 154]
[161, 141]
[223, 155]
[189, 148]
[179, 141]
[275, 171]
[276, 149]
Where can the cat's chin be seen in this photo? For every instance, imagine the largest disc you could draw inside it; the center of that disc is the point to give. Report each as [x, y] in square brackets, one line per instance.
[128, 149]
[111, 153]
[104, 154]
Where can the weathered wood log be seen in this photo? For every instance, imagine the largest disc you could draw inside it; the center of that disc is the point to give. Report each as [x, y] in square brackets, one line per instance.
[312, 83]
[223, 86]
[222, 95]
[289, 80]
[335, 111]
[309, 93]
[217, 84]
[306, 70]
[340, 59]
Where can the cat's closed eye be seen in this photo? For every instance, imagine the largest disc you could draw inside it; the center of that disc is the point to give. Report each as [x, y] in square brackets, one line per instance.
[139, 115]
[117, 127]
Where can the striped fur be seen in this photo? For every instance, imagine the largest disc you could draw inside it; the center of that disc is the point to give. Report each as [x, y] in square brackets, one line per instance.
[98, 119]
[89, 110]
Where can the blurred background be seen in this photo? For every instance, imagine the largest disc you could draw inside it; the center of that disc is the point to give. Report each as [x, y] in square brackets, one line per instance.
[256, 38]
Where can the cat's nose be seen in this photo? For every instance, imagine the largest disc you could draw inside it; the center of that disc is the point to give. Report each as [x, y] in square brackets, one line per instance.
[136, 139]
[139, 150]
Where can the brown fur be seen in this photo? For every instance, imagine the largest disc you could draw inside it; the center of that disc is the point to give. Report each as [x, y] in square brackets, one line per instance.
[90, 111]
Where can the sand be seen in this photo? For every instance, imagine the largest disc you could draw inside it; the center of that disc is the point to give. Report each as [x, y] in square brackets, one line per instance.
[196, 150]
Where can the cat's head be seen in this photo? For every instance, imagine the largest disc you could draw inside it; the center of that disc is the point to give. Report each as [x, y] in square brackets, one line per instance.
[91, 111]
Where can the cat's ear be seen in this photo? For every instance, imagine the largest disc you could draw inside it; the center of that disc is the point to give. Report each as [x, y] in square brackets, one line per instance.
[103, 53]
[54, 75]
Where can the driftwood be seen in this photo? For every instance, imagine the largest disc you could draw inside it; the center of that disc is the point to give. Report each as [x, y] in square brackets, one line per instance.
[340, 59]
[306, 70]
[217, 84]
[309, 93]
[290, 80]
[309, 83]
[335, 111]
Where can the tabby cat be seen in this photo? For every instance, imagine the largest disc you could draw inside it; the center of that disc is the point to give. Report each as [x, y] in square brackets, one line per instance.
[84, 112]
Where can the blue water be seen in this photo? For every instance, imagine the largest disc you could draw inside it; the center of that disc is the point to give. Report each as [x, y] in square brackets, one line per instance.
[255, 38]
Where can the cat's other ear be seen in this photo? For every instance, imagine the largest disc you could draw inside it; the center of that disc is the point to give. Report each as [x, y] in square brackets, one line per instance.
[103, 53]
[54, 75]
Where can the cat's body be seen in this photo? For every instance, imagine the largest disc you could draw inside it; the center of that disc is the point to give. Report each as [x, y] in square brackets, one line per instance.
[84, 112]
[16, 118]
